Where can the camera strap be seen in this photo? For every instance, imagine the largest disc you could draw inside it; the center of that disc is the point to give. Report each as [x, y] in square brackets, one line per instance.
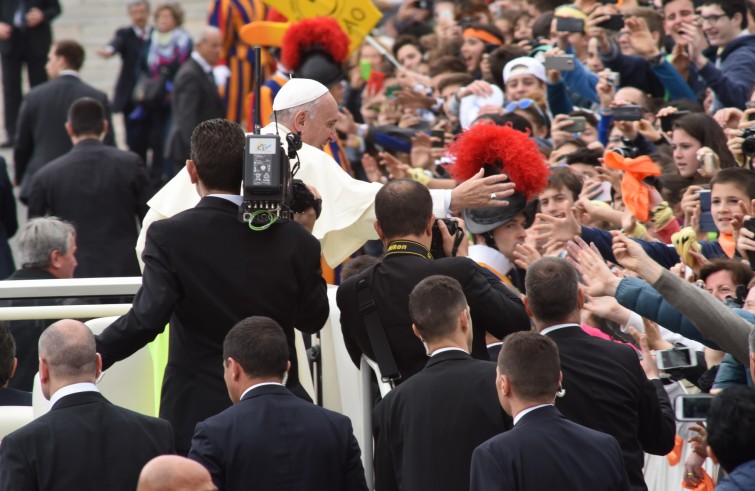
[379, 341]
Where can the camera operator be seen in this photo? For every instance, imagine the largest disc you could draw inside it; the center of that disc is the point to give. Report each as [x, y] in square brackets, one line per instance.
[405, 225]
[204, 271]
[306, 106]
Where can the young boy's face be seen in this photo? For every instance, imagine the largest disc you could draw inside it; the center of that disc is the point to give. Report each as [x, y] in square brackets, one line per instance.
[724, 203]
[556, 202]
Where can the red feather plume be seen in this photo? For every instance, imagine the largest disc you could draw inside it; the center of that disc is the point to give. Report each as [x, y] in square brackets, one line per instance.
[324, 32]
[510, 151]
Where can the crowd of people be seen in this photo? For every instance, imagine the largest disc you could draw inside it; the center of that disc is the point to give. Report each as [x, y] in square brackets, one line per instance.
[526, 204]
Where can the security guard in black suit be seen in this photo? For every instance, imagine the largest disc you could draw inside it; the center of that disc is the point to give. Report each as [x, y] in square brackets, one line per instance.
[404, 224]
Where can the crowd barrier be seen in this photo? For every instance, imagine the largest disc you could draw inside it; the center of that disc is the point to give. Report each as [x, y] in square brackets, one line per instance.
[135, 382]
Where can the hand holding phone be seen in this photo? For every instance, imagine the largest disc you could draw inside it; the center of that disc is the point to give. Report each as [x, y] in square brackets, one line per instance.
[692, 407]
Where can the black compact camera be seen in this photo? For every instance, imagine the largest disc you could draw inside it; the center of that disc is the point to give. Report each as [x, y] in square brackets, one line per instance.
[436, 246]
[748, 146]
[627, 150]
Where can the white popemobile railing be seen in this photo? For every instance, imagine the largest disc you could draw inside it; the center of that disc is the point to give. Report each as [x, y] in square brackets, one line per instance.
[344, 389]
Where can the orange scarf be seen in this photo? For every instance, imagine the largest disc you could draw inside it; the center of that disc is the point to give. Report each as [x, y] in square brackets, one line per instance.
[727, 243]
[634, 191]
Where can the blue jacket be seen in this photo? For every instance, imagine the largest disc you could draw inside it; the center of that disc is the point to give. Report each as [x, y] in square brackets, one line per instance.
[639, 296]
[734, 80]
[661, 253]
[635, 72]
[742, 478]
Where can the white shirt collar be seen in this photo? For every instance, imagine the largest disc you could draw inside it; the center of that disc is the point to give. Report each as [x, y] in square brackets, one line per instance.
[528, 410]
[557, 327]
[443, 350]
[72, 73]
[259, 385]
[202, 62]
[233, 198]
[72, 389]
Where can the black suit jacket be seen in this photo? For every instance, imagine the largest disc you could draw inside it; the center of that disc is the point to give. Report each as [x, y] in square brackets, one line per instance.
[195, 99]
[272, 440]
[607, 390]
[131, 48]
[204, 271]
[36, 40]
[103, 191]
[26, 332]
[546, 451]
[8, 221]
[14, 397]
[426, 429]
[41, 134]
[83, 443]
[494, 307]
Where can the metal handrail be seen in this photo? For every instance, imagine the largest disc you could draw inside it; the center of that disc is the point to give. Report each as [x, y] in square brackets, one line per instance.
[57, 288]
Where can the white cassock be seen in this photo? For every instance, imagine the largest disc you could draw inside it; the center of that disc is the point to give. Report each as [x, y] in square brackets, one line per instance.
[348, 204]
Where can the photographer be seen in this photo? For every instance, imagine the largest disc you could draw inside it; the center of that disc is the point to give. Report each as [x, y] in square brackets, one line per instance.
[405, 225]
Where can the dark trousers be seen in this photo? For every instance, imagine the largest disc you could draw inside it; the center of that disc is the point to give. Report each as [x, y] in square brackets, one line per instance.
[12, 96]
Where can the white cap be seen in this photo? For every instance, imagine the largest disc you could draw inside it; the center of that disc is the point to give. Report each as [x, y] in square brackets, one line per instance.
[298, 91]
[524, 66]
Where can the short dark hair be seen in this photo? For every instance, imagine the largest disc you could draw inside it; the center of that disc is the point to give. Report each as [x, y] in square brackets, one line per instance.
[542, 25]
[87, 117]
[586, 156]
[744, 179]
[217, 149]
[434, 305]
[740, 274]
[530, 360]
[731, 426]
[563, 177]
[462, 79]
[730, 9]
[499, 57]
[7, 353]
[447, 64]
[406, 39]
[259, 345]
[71, 51]
[403, 207]
[552, 288]
[356, 265]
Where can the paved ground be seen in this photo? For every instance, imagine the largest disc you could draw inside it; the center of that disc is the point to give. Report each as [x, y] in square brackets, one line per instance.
[92, 23]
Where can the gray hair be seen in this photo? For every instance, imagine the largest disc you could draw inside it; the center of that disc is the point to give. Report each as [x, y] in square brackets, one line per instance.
[207, 30]
[39, 237]
[132, 3]
[286, 116]
[752, 340]
[69, 348]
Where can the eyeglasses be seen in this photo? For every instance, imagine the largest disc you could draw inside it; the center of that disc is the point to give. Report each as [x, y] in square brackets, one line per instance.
[712, 19]
[524, 104]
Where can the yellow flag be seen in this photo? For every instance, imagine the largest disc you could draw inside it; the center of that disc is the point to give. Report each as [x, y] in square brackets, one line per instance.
[356, 17]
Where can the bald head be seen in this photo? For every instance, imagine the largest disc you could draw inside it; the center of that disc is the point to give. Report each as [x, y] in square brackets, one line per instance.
[69, 349]
[632, 95]
[173, 473]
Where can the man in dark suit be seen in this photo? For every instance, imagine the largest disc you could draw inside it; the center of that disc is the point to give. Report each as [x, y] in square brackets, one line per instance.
[8, 364]
[195, 96]
[25, 37]
[130, 43]
[204, 270]
[84, 442]
[404, 224]
[605, 386]
[269, 438]
[41, 136]
[100, 189]
[426, 429]
[46, 251]
[544, 450]
[8, 221]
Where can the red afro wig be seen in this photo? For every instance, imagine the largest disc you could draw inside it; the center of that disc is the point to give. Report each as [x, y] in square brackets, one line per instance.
[500, 149]
[324, 32]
